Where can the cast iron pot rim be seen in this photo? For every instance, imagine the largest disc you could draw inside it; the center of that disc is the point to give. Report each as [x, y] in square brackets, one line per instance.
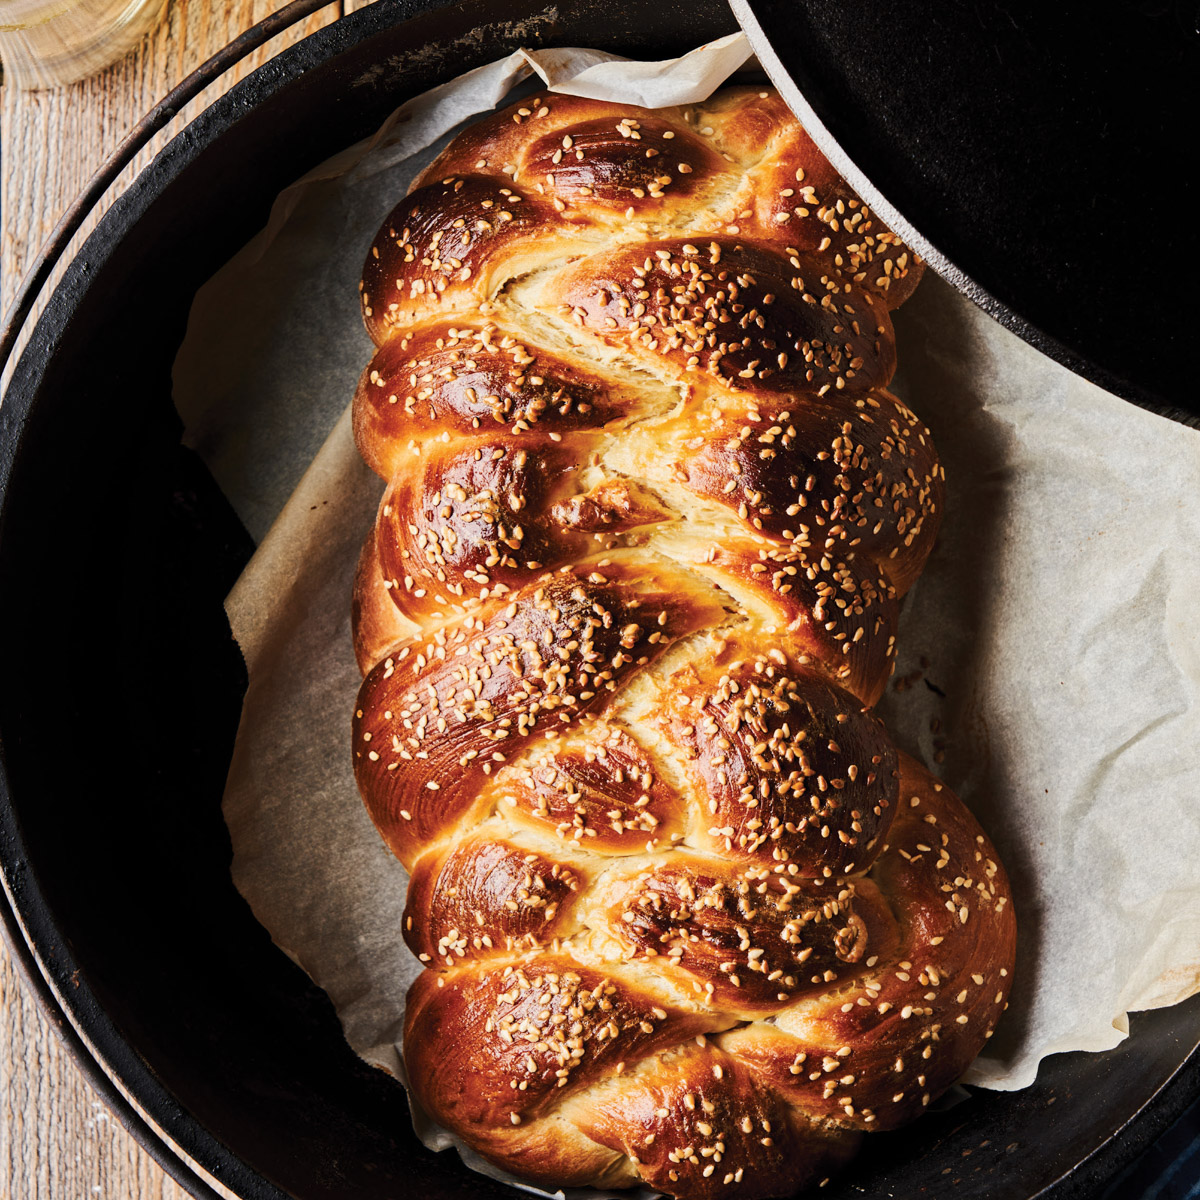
[111, 1064]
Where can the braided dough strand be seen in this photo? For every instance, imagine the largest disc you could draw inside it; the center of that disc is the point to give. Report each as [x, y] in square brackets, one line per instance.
[689, 918]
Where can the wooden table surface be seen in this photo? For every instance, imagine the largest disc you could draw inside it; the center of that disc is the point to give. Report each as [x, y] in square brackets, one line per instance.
[57, 1139]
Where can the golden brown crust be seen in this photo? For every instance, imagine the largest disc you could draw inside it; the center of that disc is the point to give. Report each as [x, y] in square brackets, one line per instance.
[858, 480]
[529, 1034]
[375, 619]
[602, 792]
[689, 918]
[796, 775]
[439, 247]
[469, 379]
[743, 941]
[739, 312]
[439, 716]
[877, 1053]
[698, 1124]
[486, 897]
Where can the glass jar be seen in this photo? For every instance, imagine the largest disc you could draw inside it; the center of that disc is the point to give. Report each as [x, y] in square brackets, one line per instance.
[47, 43]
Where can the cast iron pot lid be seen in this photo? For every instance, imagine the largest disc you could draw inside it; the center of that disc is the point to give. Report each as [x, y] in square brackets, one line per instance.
[1040, 156]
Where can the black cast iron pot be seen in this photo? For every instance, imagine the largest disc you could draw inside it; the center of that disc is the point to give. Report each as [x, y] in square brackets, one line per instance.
[120, 689]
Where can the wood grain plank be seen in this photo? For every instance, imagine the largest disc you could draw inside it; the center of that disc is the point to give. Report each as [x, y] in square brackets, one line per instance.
[55, 140]
[57, 1139]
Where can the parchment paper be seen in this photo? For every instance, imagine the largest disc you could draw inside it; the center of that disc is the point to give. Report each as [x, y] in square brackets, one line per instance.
[1049, 656]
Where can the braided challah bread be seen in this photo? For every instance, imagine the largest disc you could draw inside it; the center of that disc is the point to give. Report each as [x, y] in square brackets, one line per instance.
[689, 918]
